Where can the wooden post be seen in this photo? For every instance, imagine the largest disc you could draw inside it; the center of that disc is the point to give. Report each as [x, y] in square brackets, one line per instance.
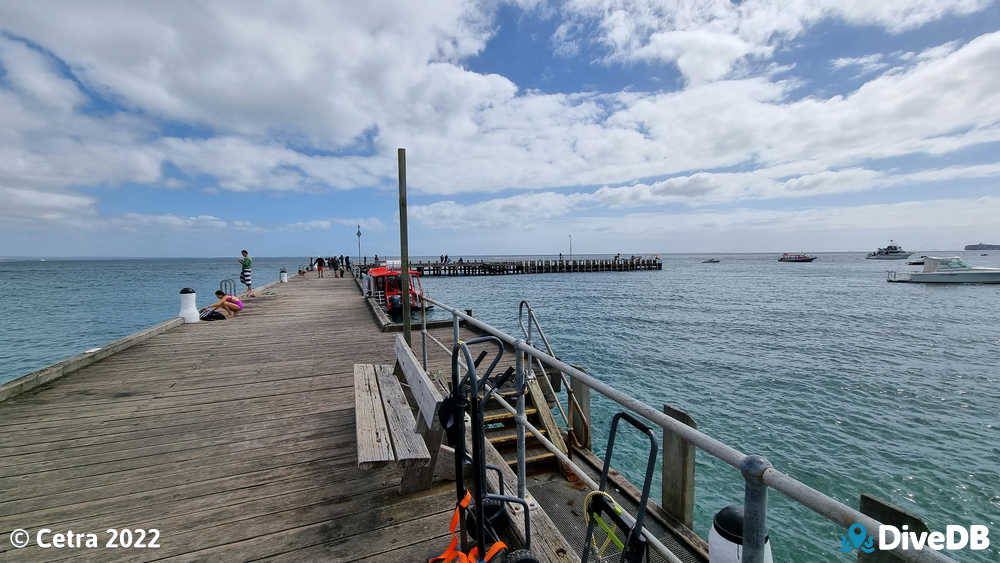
[582, 394]
[887, 514]
[404, 255]
[678, 471]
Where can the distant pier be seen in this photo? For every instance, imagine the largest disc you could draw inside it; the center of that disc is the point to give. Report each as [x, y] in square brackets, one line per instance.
[512, 267]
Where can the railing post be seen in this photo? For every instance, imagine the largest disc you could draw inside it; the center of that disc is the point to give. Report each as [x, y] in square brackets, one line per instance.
[582, 394]
[521, 388]
[454, 324]
[678, 470]
[423, 332]
[754, 508]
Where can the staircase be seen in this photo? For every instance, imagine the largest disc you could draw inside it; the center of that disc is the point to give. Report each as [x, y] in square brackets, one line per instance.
[501, 431]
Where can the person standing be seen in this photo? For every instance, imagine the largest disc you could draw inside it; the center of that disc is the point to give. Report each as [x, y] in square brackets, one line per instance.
[320, 266]
[334, 265]
[246, 272]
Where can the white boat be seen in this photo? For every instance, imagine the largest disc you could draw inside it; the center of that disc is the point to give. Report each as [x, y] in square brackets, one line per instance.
[892, 251]
[947, 270]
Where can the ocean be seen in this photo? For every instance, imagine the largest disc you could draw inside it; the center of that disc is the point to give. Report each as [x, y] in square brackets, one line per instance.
[847, 383]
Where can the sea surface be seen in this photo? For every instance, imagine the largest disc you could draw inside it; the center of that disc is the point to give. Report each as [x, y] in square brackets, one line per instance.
[847, 383]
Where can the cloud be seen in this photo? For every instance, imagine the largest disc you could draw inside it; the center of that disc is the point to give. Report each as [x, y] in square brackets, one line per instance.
[867, 64]
[300, 111]
[32, 205]
[699, 189]
[367, 224]
[707, 39]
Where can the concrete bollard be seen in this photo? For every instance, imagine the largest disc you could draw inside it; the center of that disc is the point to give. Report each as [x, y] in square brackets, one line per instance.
[284, 276]
[725, 539]
[189, 310]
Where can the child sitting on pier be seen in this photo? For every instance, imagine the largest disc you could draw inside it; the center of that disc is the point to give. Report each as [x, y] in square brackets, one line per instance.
[228, 304]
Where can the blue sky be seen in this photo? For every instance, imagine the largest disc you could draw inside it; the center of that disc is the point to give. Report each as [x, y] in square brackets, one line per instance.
[197, 129]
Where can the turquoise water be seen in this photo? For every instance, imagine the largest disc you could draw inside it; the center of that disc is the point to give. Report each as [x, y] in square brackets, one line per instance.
[59, 308]
[846, 382]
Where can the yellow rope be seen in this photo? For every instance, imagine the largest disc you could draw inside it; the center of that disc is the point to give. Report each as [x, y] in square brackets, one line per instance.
[609, 530]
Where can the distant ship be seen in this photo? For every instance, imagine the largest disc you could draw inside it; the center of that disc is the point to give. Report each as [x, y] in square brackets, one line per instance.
[982, 246]
[892, 251]
[789, 257]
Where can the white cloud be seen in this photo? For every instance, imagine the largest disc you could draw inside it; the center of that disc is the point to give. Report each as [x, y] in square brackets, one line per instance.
[708, 38]
[24, 204]
[328, 73]
[367, 224]
[699, 189]
[867, 64]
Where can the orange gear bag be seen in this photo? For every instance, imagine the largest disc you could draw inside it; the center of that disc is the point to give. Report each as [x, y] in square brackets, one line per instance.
[452, 553]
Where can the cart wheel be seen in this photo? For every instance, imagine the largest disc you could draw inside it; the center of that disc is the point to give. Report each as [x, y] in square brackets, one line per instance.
[521, 556]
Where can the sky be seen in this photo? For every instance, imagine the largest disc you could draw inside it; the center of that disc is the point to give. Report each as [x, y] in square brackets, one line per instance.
[640, 126]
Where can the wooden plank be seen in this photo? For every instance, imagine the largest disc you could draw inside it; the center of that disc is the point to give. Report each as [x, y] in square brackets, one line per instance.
[367, 525]
[545, 415]
[406, 443]
[421, 477]
[374, 444]
[425, 393]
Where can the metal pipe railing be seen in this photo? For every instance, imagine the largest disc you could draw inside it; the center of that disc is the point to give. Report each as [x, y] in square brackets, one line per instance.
[522, 425]
[571, 402]
[757, 472]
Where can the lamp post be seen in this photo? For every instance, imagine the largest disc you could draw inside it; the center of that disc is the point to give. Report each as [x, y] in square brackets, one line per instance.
[571, 247]
[359, 245]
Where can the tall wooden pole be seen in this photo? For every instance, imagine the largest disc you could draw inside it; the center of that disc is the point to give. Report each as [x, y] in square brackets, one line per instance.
[404, 255]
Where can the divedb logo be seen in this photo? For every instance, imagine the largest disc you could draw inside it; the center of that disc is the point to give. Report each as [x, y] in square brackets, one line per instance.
[954, 537]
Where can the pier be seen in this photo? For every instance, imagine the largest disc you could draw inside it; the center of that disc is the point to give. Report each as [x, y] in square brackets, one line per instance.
[237, 440]
[513, 267]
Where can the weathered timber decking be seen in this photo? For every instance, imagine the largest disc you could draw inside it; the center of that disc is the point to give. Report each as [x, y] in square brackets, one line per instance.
[235, 439]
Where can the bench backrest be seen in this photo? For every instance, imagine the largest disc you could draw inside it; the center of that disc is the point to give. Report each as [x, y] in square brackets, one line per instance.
[425, 393]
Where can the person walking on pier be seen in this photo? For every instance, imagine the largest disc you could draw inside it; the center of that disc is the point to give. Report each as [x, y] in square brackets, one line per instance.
[335, 264]
[320, 266]
[246, 272]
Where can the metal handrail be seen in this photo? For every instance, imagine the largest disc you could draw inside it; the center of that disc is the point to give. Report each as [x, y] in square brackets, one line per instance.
[572, 401]
[228, 286]
[758, 473]
[523, 424]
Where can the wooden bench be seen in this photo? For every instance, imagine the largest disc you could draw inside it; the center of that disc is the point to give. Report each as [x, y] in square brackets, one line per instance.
[386, 429]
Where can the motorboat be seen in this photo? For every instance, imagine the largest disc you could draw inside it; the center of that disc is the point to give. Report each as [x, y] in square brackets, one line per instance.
[710, 261]
[918, 262]
[789, 257]
[892, 251]
[947, 270]
[383, 283]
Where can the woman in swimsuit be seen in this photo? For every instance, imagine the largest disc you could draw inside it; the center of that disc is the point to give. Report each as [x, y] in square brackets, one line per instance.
[227, 304]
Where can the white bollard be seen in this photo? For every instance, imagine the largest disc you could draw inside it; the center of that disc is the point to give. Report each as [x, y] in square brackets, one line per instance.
[284, 276]
[725, 539]
[189, 310]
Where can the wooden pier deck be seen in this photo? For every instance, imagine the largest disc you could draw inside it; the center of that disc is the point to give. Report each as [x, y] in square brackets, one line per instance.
[513, 267]
[235, 439]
